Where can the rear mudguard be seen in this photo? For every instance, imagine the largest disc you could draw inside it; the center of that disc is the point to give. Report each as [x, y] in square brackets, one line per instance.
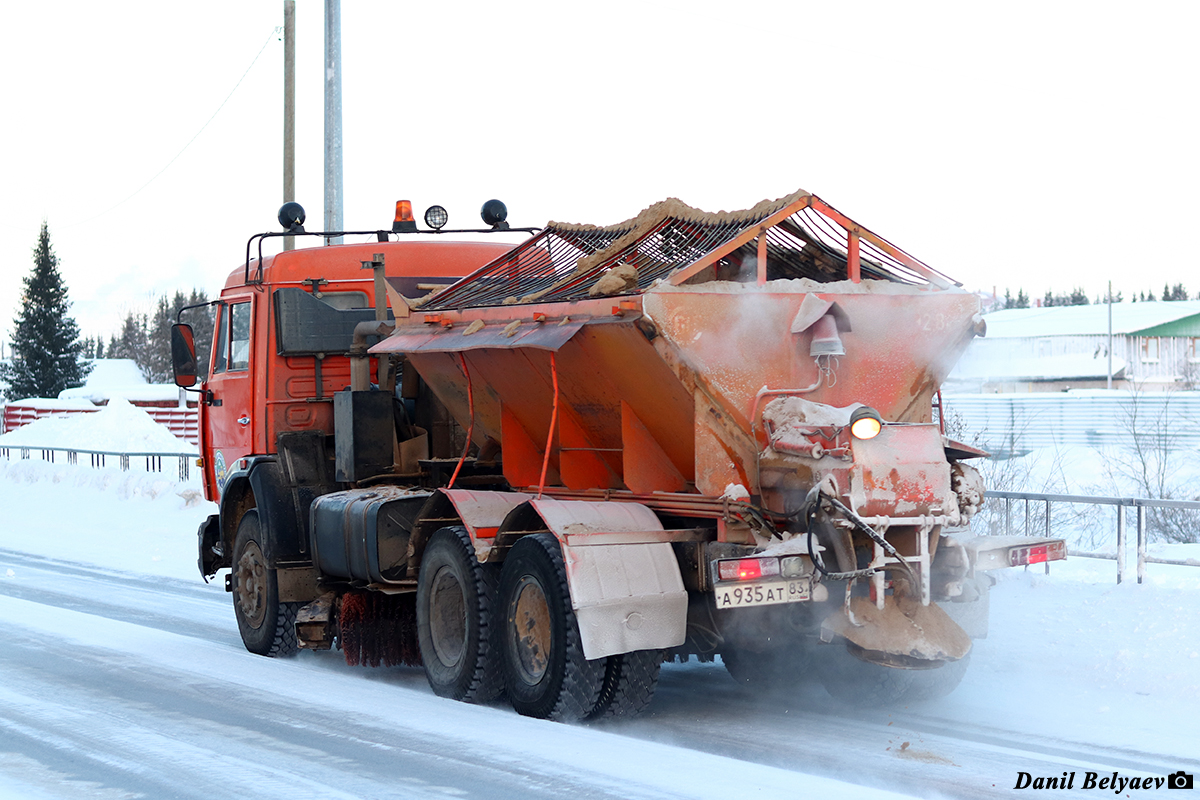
[626, 588]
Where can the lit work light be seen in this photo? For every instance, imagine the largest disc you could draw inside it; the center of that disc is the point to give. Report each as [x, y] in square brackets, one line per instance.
[865, 423]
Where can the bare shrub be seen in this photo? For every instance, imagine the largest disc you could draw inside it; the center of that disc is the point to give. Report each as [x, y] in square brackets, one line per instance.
[1149, 463]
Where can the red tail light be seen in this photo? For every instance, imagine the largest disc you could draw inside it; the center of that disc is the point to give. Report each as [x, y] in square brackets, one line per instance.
[1037, 553]
[747, 569]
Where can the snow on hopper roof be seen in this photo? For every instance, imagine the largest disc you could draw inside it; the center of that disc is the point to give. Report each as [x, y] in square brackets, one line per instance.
[670, 240]
[1091, 320]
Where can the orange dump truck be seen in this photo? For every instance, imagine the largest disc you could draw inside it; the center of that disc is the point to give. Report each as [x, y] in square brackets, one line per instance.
[687, 434]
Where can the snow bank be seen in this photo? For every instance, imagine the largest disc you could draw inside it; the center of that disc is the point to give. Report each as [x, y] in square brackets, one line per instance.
[54, 404]
[119, 377]
[131, 521]
[118, 427]
[108, 372]
[1075, 655]
[145, 393]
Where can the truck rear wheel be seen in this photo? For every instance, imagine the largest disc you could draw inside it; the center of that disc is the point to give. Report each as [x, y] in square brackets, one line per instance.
[863, 683]
[858, 682]
[930, 684]
[777, 669]
[545, 671]
[629, 683]
[267, 626]
[456, 596]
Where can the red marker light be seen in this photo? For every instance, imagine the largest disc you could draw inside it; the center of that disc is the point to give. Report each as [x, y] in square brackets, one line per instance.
[1037, 554]
[747, 569]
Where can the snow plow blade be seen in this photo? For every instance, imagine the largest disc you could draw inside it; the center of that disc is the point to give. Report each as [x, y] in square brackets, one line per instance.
[919, 637]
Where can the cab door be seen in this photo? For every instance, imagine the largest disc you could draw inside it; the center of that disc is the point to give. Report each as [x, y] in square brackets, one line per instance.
[231, 388]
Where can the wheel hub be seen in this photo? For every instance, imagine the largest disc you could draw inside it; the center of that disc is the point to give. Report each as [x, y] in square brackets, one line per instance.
[252, 584]
[532, 630]
[448, 617]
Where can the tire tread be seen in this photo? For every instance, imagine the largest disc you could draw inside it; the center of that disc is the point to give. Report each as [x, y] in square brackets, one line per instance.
[629, 683]
[486, 680]
[582, 680]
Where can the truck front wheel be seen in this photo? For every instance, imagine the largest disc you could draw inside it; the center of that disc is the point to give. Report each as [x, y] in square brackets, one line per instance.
[545, 671]
[456, 625]
[268, 627]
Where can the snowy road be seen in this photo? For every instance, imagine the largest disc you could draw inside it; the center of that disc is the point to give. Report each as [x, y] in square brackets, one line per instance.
[122, 685]
[115, 686]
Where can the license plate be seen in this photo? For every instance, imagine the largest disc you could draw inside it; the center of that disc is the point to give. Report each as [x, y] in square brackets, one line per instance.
[763, 594]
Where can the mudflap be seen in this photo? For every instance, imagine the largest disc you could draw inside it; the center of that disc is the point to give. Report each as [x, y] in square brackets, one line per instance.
[914, 636]
[212, 554]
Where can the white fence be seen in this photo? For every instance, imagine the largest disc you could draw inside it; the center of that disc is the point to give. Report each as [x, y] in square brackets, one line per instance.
[1016, 423]
[100, 458]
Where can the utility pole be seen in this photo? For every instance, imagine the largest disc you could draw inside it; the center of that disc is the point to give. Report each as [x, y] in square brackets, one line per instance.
[1110, 334]
[333, 119]
[289, 109]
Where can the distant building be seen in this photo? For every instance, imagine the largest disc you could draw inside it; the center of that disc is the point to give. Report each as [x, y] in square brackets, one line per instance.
[1156, 347]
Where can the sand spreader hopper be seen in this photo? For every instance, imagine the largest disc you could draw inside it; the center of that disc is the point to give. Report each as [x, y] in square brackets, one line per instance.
[745, 402]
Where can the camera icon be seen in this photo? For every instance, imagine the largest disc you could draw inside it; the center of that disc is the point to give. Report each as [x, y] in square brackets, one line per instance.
[1179, 780]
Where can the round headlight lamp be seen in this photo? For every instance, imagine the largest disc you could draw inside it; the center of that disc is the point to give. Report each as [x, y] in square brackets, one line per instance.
[436, 217]
[865, 423]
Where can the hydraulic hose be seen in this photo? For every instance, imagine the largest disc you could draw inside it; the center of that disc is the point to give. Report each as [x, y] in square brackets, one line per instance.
[812, 503]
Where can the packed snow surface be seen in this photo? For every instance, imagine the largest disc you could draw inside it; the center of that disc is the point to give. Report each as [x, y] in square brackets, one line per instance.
[118, 427]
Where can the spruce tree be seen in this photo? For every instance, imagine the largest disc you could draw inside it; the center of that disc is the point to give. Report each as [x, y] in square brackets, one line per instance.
[133, 343]
[202, 320]
[158, 355]
[46, 348]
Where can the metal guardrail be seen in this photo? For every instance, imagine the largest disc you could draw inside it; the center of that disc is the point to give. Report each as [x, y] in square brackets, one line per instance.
[99, 458]
[1140, 503]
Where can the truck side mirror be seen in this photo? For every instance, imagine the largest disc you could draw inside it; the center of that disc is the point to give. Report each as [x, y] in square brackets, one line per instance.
[183, 355]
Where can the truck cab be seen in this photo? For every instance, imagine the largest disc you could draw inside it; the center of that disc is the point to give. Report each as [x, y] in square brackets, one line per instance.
[283, 335]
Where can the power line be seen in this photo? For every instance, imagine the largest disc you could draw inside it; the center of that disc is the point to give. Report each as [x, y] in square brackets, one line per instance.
[274, 33]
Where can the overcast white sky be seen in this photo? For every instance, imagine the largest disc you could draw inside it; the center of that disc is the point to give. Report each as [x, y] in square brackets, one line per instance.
[1040, 145]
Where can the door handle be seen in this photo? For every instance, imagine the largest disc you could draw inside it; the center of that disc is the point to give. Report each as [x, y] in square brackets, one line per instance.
[243, 420]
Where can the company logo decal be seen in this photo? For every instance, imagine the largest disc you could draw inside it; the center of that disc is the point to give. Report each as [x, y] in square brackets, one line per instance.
[219, 470]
